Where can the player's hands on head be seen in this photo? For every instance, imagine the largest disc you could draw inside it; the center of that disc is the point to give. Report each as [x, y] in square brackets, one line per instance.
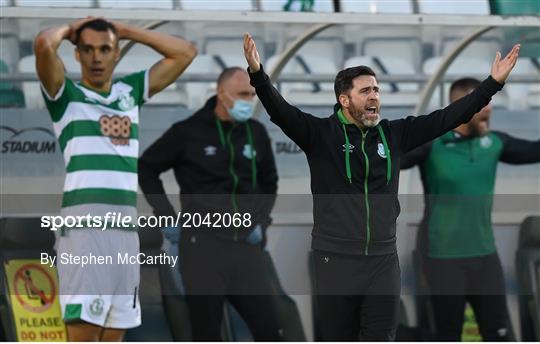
[120, 28]
[75, 25]
[251, 54]
[501, 68]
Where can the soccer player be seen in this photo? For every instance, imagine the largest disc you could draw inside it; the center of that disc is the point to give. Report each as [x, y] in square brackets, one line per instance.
[96, 122]
[354, 158]
[460, 261]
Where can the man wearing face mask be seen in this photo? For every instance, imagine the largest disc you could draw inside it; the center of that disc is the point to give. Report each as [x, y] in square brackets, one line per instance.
[354, 158]
[223, 162]
[460, 261]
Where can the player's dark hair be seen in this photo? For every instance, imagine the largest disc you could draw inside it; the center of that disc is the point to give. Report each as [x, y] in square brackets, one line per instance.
[344, 79]
[100, 25]
[464, 84]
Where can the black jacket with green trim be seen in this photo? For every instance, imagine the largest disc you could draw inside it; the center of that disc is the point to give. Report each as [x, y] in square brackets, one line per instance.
[214, 171]
[358, 216]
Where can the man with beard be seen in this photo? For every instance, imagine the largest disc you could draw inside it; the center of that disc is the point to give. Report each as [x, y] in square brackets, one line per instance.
[354, 159]
[460, 261]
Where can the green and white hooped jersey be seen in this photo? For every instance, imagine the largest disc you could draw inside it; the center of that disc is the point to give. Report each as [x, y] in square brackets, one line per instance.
[98, 136]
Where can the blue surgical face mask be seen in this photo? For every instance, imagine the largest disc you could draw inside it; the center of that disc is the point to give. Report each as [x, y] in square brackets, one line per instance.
[241, 110]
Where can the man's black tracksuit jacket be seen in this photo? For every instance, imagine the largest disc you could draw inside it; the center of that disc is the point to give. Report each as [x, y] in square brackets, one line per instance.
[214, 171]
[358, 216]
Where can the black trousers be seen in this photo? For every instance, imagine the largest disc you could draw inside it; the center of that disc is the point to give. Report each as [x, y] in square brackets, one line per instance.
[215, 270]
[479, 281]
[357, 297]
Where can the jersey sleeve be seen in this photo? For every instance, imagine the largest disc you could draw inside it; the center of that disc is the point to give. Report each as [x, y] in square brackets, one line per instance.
[139, 82]
[518, 151]
[58, 104]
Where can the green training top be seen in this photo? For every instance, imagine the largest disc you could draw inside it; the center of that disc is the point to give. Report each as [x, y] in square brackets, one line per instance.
[459, 177]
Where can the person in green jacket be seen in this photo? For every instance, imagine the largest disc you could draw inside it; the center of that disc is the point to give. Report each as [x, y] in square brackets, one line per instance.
[460, 260]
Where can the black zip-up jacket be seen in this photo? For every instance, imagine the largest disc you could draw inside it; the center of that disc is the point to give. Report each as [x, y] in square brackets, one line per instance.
[358, 215]
[214, 170]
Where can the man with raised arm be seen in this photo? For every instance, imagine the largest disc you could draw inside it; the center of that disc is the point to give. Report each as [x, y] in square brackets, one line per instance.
[354, 160]
[96, 122]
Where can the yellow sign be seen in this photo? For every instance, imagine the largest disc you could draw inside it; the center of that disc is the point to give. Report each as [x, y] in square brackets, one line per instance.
[33, 296]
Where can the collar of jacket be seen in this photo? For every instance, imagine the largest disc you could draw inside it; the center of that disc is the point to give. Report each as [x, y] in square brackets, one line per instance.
[342, 120]
[207, 113]
[348, 126]
[454, 136]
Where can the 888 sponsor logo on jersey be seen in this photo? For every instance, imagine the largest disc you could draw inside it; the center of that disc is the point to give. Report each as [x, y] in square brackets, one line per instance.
[117, 128]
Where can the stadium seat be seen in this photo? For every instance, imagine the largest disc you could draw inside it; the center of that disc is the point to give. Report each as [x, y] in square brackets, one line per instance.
[521, 96]
[328, 44]
[392, 94]
[20, 238]
[483, 48]
[54, 3]
[9, 49]
[226, 50]
[460, 68]
[528, 278]
[533, 99]
[137, 4]
[199, 92]
[31, 90]
[10, 96]
[406, 48]
[305, 93]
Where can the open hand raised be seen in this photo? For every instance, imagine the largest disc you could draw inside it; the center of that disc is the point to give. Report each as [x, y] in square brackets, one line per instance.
[502, 68]
[251, 54]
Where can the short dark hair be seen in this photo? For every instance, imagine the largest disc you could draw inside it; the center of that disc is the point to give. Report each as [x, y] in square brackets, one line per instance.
[227, 73]
[464, 84]
[344, 79]
[98, 24]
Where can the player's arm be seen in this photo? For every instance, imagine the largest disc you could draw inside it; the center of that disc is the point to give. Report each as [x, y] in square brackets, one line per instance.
[518, 151]
[177, 54]
[49, 66]
[416, 131]
[296, 124]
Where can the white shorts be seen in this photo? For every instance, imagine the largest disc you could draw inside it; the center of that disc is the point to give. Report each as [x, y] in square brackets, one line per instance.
[96, 284]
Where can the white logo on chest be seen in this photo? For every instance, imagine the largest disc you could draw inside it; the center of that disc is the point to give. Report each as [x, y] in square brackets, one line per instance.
[381, 151]
[249, 152]
[210, 150]
[348, 147]
[485, 142]
[125, 101]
